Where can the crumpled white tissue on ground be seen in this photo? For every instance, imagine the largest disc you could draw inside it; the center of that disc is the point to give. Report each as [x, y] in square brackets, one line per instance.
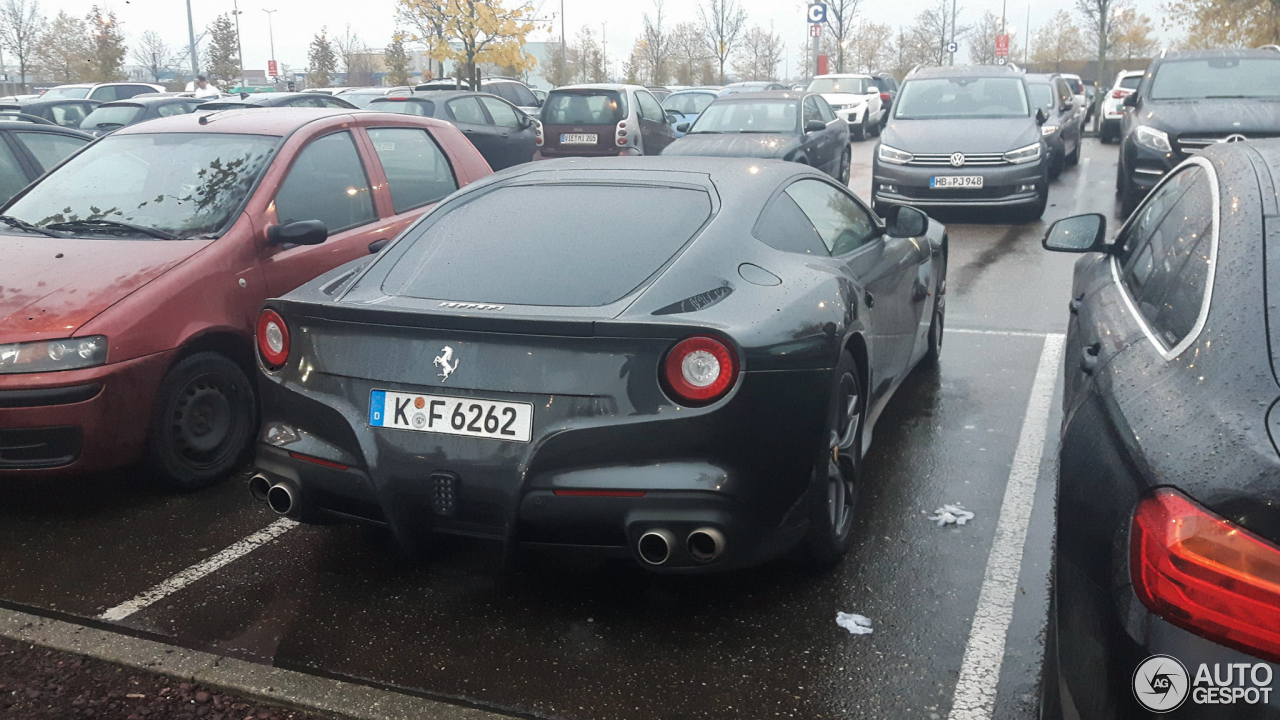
[951, 515]
[856, 624]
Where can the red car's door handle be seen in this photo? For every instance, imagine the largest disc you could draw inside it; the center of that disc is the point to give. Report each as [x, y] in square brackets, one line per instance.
[376, 246]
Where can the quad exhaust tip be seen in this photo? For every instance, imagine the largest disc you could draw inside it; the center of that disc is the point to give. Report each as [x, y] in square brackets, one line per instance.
[655, 546]
[259, 486]
[280, 498]
[705, 544]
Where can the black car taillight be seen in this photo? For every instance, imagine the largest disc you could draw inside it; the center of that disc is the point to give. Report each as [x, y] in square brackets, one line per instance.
[1206, 574]
[700, 370]
[273, 339]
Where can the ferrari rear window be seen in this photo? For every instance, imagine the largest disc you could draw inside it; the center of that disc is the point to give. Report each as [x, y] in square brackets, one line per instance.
[574, 245]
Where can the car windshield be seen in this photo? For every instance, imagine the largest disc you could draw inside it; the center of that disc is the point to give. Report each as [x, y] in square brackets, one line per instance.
[65, 93]
[688, 103]
[1131, 83]
[749, 116]
[405, 107]
[1217, 77]
[962, 97]
[184, 184]
[584, 107]
[1041, 95]
[854, 86]
[109, 116]
[607, 237]
[361, 100]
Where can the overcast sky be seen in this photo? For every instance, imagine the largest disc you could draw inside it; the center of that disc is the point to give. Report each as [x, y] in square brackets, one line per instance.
[298, 20]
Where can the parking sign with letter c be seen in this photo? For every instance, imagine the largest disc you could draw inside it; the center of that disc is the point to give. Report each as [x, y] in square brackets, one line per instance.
[817, 13]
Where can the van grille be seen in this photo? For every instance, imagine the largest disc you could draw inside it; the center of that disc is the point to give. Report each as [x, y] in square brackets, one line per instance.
[941, 159]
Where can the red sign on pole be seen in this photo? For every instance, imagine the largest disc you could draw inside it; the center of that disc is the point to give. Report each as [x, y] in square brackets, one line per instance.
[1002, 46]
[272, 70]
[815, 30]
[822, 64]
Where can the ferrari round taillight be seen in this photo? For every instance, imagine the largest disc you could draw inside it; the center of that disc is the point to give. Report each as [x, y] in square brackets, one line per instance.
[1206, 574]
[700, 370]
[273, 339]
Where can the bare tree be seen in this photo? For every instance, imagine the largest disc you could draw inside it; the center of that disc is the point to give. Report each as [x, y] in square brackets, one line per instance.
[688, 53]
[929, 36]
[759, 55]
[354, 58]
[1098, 16]
[840, 14]
[657, 45]
[722, 24]
[873, 47]
[153, 54]
[21, 26]
[1059, 40]
[982, 39]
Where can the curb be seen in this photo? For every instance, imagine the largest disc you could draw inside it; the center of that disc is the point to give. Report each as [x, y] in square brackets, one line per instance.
[300, 691]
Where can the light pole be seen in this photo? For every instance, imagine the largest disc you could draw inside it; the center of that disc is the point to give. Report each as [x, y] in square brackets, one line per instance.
[272, 37]
[953, 26]
[235, 5]
[564, 48]
[191, 37]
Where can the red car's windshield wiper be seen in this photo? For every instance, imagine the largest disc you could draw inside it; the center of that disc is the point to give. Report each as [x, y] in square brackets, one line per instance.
[14, 222]
[100, 224]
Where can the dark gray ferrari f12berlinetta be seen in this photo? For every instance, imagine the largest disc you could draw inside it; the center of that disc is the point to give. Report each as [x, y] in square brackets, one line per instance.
[679, 360]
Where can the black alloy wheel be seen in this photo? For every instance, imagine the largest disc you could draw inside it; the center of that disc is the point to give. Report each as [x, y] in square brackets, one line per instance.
[204, 419]
[838, 475]
[846, 165]
[936, 327]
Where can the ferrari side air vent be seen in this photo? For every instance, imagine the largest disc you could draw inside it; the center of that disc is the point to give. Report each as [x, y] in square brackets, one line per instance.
[701, 301]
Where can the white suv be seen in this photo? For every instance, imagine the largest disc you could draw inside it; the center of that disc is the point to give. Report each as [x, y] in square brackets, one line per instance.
[102, 92]
[855, 99]
[1127, 82]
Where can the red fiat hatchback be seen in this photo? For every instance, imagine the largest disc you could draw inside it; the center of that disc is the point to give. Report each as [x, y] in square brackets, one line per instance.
[134, 272]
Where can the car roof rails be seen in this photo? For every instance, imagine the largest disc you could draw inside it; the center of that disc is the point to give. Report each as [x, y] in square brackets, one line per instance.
[1269, 46]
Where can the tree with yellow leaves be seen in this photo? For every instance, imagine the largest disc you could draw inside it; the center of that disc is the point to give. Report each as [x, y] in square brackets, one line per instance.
[1226, 23]
[471, 32]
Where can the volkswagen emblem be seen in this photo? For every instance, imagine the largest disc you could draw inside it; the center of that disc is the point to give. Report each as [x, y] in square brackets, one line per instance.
[1234, 137]
[957, 159]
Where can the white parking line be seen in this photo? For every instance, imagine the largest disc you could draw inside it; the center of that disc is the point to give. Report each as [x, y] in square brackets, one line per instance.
[1010, 333]
[199, 570]
[1082, 182]
[975, 695]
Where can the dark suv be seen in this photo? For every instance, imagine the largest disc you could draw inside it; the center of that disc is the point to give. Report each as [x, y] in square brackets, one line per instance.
[963, 137]
[1188, 101]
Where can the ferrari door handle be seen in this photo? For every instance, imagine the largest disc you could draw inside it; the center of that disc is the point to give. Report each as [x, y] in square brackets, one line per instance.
[1089, 358]
[1074, 305]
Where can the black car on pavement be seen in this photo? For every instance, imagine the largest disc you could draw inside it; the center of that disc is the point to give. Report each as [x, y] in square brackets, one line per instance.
[285, 99]
[1063, 130]
[503, 134]
[788, 125]
[111, 116]
[1191, 100]
[590, 368]
[963, 137]
[64, 113]
[888, 86]
[29, 149]
[1166, 582]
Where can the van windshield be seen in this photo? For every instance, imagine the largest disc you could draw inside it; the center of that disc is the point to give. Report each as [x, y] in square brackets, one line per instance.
[962, 97]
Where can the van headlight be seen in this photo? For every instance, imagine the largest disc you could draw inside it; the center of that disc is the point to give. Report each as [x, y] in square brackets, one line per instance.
[52, 355]
[893, 155]
[1027, 154]
[1152, 138]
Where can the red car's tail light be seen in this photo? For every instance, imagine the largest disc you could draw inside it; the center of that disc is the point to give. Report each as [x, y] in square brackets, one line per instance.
[273, 339]
[1206, 574]
[700, 370]
[1117, 94]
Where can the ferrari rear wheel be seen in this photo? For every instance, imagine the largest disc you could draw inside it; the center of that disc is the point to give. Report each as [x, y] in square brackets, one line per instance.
[838, 474]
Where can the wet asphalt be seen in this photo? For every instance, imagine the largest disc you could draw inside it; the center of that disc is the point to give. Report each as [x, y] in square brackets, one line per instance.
[560, 640]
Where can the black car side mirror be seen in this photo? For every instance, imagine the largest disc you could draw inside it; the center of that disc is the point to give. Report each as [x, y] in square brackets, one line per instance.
[301, 232]
[1131, 100]
[672, 118]
[683, 127]
[815, 126]
[538, 102]
[1078, 234]
[1041, 116]
[903, 221]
